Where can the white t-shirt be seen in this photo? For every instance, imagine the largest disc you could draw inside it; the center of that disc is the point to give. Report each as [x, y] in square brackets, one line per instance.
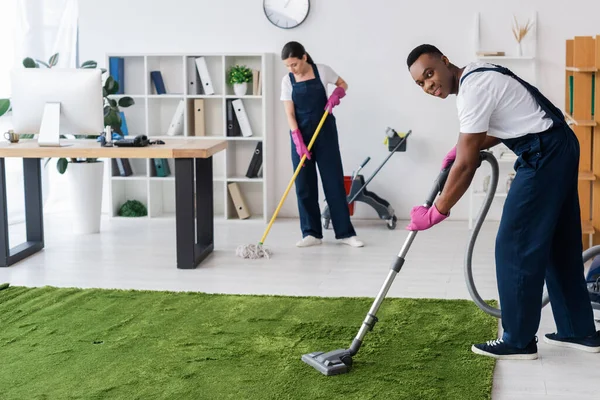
[498, 104]
[327, 74]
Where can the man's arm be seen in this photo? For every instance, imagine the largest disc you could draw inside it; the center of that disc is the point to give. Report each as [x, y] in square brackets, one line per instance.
[464, 167]
[490, 141]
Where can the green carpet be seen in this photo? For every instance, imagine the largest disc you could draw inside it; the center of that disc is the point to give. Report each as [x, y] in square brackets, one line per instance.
[109, 344]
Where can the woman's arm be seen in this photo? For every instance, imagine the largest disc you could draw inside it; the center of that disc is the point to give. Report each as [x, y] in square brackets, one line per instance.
[342, 83]
[290, 114]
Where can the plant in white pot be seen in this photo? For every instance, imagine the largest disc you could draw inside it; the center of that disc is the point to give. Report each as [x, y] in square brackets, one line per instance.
[239, 76]
[85, 176]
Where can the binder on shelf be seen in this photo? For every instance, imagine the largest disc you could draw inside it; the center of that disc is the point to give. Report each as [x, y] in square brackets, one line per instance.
[255, 162]
[242, 117]
[123, 166]
[116, 68]
[159, 83]
[204, 75]
[124, 129]
[176, 125]
[199, 126]
[238, 200]
[161, 166]
[194, 86]
[255, 83]
[233, 126]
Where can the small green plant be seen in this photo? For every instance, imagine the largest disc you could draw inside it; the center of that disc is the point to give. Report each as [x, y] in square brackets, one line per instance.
[239, 74]
[133, 208]
[112, 116]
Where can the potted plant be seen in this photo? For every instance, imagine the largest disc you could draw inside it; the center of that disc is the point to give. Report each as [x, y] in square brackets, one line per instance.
[239, 76]
[86, 175]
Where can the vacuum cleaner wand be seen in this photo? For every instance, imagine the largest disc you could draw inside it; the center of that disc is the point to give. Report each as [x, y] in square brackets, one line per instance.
[340, 361]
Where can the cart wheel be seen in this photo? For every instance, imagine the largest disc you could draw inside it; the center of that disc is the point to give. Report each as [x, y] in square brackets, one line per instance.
[391, 223]
[325, 222]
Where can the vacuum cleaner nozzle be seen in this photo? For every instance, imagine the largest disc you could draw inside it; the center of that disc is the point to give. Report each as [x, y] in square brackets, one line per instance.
[332, 363]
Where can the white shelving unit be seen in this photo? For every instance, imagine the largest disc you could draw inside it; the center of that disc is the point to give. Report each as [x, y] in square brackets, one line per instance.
[519, 64]
[152, 114]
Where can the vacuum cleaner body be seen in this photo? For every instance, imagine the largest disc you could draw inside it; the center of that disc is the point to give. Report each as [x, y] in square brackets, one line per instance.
[358, 189]
[593, 283]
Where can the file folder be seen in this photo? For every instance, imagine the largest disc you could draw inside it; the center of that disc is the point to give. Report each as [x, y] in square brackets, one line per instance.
[199, 127]
[176, 125]
[238, 201]
[242, 117]
[193, 77]
[204, 75]
[233, 126]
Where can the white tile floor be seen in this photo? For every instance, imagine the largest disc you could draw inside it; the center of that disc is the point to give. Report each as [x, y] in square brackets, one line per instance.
[140, 254]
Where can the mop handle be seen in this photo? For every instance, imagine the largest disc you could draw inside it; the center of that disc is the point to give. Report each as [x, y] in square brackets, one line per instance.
[312, 141]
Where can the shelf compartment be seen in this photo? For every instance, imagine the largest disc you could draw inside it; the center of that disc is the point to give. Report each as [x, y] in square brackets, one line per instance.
[205, 117]
[171, 70]
[124, 190]
[132, 83]
[135, 117]
[160, 115]
[253, 198]
[250, 61]
[214, 65]
[239, 156]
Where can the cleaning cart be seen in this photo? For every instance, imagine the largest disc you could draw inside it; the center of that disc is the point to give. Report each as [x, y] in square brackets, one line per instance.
[396, 142]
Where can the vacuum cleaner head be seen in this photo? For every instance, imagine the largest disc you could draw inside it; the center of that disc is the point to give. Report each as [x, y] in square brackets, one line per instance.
[335, 362]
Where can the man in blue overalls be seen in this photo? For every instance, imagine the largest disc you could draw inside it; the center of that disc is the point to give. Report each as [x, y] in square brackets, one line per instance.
[540, 232]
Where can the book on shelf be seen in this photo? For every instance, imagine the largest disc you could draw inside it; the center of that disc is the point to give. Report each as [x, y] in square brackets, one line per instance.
[194, 85]
[116, 68]
[121, 167]
[256, 82]
[124, 129]
[158, 82]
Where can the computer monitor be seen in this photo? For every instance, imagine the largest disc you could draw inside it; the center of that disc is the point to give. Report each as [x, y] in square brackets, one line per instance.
[57, 101]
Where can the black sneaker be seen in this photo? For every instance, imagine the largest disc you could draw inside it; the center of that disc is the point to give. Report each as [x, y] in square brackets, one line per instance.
[502, 351]
[591, 343]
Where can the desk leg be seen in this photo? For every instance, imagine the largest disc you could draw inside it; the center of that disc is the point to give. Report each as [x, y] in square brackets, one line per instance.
[34, 214]
[195, 225]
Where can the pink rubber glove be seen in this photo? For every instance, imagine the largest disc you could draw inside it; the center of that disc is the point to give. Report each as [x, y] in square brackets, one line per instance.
[335, 97]
[422, 218]
[299, 142]
[450, 157]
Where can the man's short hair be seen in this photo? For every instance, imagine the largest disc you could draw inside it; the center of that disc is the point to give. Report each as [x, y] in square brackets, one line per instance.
[419, 51]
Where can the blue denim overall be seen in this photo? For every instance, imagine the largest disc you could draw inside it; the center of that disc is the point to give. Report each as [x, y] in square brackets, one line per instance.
[540, 232]
[309, 99]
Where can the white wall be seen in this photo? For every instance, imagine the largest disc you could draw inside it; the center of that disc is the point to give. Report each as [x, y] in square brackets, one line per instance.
[366, 42]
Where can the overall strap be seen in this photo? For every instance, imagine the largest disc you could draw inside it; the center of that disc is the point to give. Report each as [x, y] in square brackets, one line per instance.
[550, 109]
[292, 79]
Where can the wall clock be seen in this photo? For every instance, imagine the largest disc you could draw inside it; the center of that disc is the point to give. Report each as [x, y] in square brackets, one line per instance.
[286, 14]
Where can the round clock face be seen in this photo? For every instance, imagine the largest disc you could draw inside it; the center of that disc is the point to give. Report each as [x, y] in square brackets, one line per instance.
[286, 14]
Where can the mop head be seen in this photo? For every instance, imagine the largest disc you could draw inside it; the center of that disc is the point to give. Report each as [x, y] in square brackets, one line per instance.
[253, 251]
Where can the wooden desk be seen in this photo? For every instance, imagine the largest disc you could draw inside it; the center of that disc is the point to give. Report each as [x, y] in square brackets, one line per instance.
[194, 225]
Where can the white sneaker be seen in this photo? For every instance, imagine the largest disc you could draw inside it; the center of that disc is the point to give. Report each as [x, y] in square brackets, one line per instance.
[308, 241]
[352, 241]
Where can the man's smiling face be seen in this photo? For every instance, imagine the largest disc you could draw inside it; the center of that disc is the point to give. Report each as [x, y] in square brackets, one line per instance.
[431, 72]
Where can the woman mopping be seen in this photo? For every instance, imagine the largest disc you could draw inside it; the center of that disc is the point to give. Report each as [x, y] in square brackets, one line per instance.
[304, 95]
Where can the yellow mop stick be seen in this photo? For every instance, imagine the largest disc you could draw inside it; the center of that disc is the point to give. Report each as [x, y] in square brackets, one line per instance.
[262, 240]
